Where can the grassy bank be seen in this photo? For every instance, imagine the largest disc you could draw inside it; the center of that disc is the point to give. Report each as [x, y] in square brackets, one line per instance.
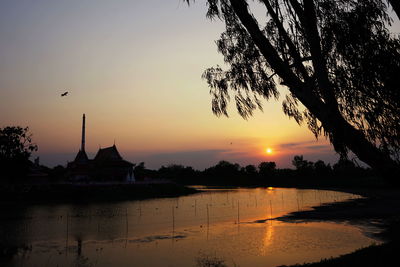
[50, 193]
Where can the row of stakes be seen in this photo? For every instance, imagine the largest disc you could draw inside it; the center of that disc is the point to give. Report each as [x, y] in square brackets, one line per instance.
[195, 206]
[208, 213]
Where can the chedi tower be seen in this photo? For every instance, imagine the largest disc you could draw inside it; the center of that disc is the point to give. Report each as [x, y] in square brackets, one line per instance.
[107, 165]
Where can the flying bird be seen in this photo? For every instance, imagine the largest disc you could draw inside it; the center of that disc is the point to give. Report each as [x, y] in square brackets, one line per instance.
[64, 94]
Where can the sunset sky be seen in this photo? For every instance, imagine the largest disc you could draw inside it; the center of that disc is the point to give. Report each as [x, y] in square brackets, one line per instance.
[134, 68]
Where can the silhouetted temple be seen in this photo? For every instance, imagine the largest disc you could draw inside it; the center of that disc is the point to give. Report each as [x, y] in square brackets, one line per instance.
[107, 165]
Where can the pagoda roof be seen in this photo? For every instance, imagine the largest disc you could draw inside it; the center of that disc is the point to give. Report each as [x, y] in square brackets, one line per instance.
[108, 154]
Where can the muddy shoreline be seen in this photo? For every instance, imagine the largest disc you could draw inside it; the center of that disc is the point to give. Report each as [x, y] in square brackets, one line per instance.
[379, 208]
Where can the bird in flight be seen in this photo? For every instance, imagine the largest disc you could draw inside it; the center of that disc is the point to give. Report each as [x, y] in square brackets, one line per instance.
[64, 94]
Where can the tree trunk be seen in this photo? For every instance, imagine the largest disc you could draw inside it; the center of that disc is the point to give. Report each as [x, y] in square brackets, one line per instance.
[356, 141]
[331, 119]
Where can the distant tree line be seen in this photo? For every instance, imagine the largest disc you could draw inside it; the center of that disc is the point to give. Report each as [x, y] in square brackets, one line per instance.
[16, 147]
[305, 173]
[265, 173]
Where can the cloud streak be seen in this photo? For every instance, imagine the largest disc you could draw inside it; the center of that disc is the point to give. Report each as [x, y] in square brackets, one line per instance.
[306, 146]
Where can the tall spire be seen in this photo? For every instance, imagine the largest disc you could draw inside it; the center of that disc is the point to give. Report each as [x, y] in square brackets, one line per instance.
[83, 134]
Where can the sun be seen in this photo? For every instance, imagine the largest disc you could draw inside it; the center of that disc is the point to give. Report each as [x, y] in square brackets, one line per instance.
[268, 150]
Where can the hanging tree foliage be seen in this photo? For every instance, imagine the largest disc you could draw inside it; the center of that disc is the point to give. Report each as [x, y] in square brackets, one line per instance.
[336, 57]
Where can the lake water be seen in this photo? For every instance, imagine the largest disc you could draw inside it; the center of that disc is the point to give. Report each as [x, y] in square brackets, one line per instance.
[232, 225]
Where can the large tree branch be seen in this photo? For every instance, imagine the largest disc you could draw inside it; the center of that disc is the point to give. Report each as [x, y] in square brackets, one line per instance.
[308, 19]
[302, 90]
[292, 48]
[266, 48]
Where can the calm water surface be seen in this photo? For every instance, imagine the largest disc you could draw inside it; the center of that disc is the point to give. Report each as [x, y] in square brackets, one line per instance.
[231, 224]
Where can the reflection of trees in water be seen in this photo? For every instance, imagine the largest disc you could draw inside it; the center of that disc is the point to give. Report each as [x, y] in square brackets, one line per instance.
[79, 246]
[80, 259]
[97, 222]
[14, 232]
[23, 225]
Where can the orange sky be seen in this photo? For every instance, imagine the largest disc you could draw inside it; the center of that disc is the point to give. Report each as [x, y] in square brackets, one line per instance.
[134, 68]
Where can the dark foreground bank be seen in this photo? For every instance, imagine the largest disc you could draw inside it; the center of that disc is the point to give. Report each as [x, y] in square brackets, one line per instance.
[50, 193]
[380, 207]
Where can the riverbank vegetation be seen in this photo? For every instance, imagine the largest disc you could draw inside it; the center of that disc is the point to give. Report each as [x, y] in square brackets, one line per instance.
[344, 173]
[305, 173]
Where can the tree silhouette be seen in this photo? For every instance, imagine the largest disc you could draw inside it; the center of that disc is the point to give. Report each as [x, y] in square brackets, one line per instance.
[16, 147]
[250, 170]
[336, 58]
[321, 169]
[267, 169]
[177, 173]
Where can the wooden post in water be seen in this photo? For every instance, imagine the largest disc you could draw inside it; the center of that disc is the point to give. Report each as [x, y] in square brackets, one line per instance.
[208, 217]
[298, 205]
[66, 241]
[238, 218]
[270, 207]
[173, 219]
[127, 229]
[126, 219]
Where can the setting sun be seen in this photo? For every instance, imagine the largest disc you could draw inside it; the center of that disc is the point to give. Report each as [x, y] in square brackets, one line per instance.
[268, 150]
